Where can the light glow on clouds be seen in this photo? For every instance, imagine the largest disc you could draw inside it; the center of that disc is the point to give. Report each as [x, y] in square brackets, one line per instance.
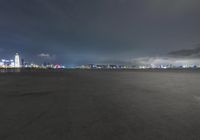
[147, 61]
[47, 56]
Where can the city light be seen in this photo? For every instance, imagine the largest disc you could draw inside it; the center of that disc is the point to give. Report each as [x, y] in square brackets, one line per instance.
[17, 61]
[20, 63]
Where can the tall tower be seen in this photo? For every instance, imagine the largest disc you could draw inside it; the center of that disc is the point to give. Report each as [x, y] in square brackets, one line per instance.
[17, 61]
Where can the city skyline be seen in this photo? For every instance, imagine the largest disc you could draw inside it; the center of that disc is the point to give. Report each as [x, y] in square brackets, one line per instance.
[145, 63]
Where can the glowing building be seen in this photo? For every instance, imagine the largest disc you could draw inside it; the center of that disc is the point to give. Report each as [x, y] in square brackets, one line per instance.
[17, 61]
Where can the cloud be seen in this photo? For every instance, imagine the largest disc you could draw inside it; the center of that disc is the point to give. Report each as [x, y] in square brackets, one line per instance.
[44, 55]
[186, 53]
[47, 56]
[175, 58]
[151, 61]
[174, 7]
[156, 61]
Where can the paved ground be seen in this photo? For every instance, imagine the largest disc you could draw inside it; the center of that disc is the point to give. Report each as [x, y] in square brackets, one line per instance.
[100, 105]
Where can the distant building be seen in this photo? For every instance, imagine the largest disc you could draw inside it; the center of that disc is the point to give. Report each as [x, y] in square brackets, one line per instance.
[22, 62]
[17, 61]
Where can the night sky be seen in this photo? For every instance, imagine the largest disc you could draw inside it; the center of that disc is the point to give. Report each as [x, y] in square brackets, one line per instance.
[101, 31]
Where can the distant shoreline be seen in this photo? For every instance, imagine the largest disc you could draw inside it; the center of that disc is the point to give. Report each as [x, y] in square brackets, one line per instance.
[17, 70]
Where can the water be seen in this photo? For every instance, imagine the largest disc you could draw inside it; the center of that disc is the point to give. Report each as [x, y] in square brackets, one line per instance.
[96, 105]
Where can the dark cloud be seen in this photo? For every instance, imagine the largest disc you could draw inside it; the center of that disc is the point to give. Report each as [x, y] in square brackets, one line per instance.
[194, 53]
[174, 7]
[97, 31]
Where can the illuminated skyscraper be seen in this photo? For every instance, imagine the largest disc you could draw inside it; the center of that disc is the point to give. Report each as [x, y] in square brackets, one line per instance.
[17, 61]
